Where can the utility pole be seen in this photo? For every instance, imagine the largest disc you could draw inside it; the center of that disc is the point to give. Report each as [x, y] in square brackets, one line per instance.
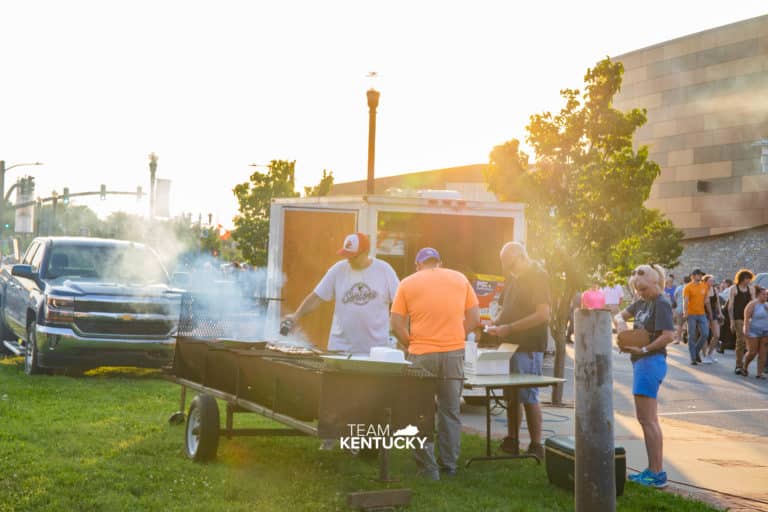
[152, 173]
[594, 475]
[38, 214]
[54, 203]
[2, 194]
[373, 103]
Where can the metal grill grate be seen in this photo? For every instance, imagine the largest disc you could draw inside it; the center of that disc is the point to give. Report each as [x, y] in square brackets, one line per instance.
[206, 317]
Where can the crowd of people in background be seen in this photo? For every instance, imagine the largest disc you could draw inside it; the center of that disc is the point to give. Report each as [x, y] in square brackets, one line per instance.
[705, 312]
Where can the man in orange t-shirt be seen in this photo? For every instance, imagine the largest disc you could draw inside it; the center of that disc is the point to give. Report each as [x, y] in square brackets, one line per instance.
[696, 309]
[443, 308]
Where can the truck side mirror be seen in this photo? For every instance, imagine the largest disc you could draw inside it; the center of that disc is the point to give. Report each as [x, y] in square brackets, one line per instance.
[24, 271]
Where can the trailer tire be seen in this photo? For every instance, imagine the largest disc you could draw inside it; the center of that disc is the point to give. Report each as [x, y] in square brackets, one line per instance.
[201, 437]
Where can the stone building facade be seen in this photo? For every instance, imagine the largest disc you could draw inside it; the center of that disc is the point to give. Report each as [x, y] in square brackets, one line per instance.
[706, 95]
[707, 100]
[723, 255]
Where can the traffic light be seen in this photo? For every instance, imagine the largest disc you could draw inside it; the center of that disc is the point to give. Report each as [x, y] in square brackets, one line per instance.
[27, 185]
[65, 196]
[103, 193]
[138, 193]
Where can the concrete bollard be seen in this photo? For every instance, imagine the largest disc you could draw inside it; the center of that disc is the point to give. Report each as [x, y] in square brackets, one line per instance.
[595, 478]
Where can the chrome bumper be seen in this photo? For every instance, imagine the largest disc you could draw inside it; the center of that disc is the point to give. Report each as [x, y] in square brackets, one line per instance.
[61, 346]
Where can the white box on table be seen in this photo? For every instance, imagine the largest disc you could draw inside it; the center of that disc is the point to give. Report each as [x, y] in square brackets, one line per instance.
[488, 362]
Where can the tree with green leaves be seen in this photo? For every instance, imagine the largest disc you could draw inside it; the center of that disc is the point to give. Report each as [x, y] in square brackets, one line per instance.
[584, 193]
[254, 198]
[323, 188]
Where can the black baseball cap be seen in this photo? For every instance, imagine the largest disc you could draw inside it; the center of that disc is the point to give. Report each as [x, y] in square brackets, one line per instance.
[697, 271]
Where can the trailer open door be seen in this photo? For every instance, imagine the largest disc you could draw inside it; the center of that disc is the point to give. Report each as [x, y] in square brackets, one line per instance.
[310, 241]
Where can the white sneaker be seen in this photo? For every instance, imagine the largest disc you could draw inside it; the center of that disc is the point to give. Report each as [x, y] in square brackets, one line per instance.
[714, 359]
[706, 360]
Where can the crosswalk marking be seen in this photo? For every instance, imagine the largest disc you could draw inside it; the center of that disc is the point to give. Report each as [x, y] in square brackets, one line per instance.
[714, 411]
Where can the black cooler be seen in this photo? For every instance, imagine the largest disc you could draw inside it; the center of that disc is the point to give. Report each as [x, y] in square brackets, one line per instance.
[560, 461]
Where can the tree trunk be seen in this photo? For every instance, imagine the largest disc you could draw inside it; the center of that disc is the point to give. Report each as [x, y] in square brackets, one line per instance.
[558, 325]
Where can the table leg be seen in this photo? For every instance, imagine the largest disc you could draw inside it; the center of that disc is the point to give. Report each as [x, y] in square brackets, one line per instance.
[513, 418]
[487, 422]
[512, 402]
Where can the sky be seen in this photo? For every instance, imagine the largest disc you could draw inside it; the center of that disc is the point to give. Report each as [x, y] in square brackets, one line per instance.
[90, 88]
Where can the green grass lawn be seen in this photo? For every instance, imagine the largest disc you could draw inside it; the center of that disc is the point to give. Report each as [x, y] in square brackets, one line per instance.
[102, 442]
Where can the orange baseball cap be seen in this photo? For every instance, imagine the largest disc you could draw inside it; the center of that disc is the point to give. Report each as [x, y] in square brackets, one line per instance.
[355, 244]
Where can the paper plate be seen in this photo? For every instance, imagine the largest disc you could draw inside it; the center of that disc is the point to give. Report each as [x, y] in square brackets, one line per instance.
[362, 364]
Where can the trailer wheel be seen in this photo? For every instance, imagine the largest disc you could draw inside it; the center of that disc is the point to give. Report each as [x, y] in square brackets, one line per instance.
[202, 432]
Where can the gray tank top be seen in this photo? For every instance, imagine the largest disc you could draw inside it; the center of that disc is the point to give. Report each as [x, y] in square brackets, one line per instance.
[759, 318]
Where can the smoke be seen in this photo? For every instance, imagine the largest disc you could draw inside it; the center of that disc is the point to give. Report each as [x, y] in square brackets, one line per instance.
[225, 301]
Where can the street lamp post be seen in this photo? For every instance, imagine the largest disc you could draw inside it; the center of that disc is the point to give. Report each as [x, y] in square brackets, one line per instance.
[3, 169]
[152, 173]
[373, 103]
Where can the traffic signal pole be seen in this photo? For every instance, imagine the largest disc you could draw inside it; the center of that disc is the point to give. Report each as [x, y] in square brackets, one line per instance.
[76, 194]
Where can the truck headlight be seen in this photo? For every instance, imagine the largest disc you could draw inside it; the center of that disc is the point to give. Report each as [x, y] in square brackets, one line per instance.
[59, 310]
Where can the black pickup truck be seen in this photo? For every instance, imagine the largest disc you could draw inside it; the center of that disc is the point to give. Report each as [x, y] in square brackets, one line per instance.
[80, 303]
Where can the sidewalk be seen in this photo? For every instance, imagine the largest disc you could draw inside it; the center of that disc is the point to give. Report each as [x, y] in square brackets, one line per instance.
[703, 456]
[706, 457]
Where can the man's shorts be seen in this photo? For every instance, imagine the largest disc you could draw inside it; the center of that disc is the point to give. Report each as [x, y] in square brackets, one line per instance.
[530, 363]
[648, 374]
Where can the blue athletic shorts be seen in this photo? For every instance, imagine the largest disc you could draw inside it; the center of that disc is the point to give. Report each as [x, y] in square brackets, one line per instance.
[530, 363]
[649, 373]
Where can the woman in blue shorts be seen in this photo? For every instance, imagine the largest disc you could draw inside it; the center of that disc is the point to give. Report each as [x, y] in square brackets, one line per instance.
[756, 331]
[653, 312]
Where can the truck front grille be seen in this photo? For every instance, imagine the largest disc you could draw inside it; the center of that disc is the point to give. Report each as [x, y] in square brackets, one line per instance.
[131, 327]
[129, 316]
[101, 306]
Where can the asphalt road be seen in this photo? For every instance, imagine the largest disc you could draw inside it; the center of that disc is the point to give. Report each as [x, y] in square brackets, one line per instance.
[709, 395]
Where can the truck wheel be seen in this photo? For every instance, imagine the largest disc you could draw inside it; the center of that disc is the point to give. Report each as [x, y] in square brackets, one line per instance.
[31, 366]
[202, 432]
[4, 351]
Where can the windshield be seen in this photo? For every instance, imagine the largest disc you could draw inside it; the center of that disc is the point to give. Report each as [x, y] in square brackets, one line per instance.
[114, 263]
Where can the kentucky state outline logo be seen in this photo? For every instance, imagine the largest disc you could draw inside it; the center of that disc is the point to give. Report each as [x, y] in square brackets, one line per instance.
[359, 294]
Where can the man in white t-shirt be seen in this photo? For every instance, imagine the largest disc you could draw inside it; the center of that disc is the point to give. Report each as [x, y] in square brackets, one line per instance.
[613, 295]
[362, 289]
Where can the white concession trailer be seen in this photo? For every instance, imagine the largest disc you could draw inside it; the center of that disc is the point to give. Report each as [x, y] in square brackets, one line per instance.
[305, 233]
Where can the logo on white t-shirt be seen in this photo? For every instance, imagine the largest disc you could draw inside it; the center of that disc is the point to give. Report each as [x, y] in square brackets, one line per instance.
[359, 294]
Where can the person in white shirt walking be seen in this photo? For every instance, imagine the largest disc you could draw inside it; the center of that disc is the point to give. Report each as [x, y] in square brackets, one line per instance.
[613, 297]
